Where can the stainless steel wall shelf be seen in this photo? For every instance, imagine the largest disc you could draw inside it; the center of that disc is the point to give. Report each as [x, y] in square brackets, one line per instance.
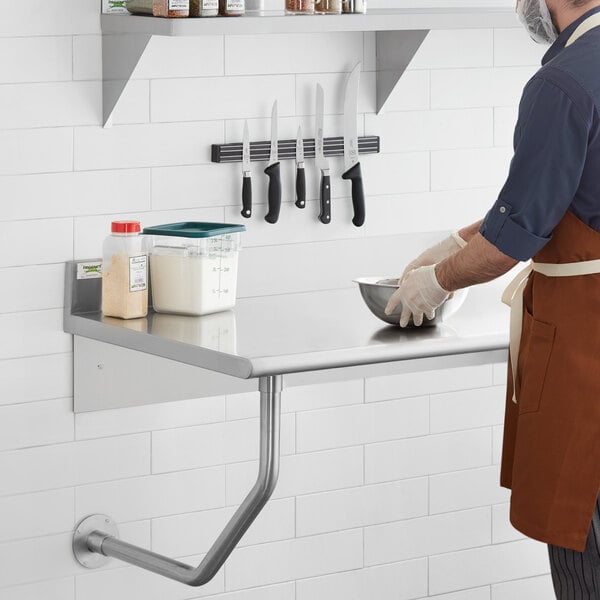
[260, 151]
[399, 34]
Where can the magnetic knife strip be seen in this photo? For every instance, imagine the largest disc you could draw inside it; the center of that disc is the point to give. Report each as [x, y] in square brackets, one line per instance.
[261, 151]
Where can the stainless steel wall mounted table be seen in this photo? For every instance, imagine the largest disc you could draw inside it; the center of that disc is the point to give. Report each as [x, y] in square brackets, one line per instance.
[275, 339]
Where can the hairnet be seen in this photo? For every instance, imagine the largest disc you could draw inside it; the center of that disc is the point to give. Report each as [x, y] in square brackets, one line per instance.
[536, 18]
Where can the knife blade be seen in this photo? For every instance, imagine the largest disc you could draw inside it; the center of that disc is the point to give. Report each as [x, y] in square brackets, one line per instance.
[273, 172]
[351, 155]
[246, 175]
[300, 175]
[320, 161]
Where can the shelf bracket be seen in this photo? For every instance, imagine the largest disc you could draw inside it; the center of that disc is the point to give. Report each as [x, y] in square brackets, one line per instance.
[121, 54]
[96, 536]
[395, 50]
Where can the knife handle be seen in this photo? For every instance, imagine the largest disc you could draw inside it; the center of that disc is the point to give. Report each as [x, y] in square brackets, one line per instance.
[247, 197]
[358, 193]
[325, 216]
[274, 173]
[300, 188]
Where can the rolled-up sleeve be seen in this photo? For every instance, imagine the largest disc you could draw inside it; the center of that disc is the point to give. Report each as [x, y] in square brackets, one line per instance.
[550, 147]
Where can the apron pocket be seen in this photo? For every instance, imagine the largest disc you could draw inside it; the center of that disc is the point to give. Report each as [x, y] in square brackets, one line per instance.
[533, 368]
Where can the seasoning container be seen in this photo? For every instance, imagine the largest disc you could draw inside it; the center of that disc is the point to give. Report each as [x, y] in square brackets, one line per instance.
[354, 6]
[124, 272]
[204, 8]
[254, 6]
[159, 8]
[194, 267]
[328, 7]
[171, 8]
[300, 7]
[232, 8]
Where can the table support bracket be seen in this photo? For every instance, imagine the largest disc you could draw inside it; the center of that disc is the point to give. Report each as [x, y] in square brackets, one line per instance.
[91, 543]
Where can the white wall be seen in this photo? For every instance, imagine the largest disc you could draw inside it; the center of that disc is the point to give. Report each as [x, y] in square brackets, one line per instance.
[389, 487]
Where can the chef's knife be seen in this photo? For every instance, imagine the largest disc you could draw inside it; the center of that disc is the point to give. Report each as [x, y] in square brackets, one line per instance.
[351, 157]
[300, 176]
[246, 174]
[320, 161]
[273, 171]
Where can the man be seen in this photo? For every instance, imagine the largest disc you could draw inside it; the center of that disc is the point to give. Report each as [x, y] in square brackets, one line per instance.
[548, 210]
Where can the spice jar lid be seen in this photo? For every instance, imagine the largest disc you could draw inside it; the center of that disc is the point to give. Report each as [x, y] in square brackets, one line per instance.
[125, 227]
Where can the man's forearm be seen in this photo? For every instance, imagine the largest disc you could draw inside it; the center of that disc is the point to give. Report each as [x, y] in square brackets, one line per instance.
[477, 262]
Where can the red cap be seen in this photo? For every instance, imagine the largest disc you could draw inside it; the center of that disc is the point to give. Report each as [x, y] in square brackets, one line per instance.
[125, 227]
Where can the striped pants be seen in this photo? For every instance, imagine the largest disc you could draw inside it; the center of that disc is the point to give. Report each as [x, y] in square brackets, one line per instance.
[576, 575]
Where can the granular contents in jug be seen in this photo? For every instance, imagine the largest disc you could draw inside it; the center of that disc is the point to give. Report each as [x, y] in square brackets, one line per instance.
[124, 289]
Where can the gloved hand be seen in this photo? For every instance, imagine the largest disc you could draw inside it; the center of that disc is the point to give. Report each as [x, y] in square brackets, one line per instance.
[447, 247]
[420, 294]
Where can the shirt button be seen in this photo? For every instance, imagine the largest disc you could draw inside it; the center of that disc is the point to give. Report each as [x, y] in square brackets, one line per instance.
[502, 209]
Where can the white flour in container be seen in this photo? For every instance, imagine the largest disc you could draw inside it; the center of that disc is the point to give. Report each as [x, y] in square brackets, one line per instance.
[193, 285]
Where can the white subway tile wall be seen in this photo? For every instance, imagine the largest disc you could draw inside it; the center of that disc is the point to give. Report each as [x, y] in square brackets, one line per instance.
[388, 486]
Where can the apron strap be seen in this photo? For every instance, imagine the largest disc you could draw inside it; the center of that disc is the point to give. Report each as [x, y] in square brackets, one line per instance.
[513, 297]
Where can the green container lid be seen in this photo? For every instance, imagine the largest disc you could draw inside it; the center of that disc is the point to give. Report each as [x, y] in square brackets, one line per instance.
[194, 229]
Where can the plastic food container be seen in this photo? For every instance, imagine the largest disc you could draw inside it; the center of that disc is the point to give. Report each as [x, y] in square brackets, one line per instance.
[193, 266]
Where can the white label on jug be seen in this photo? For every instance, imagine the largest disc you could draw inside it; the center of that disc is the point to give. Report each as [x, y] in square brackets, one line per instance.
[179, 4]
[235, 5]
[138, 273]
[210, 4]
[89, 270]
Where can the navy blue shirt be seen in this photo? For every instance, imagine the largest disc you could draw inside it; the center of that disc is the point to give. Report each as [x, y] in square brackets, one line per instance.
[556, 162]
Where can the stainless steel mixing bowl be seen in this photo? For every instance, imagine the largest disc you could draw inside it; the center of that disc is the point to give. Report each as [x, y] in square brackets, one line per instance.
[376, 291]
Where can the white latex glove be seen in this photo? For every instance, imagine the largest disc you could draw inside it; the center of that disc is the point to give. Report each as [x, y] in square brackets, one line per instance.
[447, 247]
[420, 294]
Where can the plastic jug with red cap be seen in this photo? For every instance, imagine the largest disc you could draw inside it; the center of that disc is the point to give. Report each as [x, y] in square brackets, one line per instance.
[124, 272]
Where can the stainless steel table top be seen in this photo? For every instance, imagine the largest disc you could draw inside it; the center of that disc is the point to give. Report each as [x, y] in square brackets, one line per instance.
[299, 332]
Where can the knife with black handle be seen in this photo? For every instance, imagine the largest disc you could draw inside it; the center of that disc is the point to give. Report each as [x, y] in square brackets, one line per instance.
[351, 153]
[320, 161]
[325, 214]
[300, 175]
[300, 187]
[247, 197]
[358, 194]
[246, 175]
[274, 195]
[274, 173]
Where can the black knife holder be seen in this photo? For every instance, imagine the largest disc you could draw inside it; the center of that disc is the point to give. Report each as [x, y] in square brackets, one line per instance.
[261, 151]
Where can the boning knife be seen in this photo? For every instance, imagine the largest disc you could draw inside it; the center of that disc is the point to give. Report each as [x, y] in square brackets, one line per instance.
[246, 174]
[320, 161]
[351, 157]
[273, 171]
[300, 175]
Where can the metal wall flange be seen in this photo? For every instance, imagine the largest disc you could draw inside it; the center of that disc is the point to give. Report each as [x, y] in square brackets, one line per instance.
[89, 525]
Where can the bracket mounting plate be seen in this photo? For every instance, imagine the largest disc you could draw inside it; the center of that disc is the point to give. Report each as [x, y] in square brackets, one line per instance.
[83, 554]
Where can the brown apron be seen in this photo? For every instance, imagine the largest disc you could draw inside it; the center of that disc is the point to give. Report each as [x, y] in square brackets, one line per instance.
[551, 446]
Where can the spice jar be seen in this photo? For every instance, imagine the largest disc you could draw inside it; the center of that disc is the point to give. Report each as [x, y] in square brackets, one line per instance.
[300, 7]
[328, 7]
[232, 8]
[354, 6]
[204, 8]
[171, 8]
[124, 272]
